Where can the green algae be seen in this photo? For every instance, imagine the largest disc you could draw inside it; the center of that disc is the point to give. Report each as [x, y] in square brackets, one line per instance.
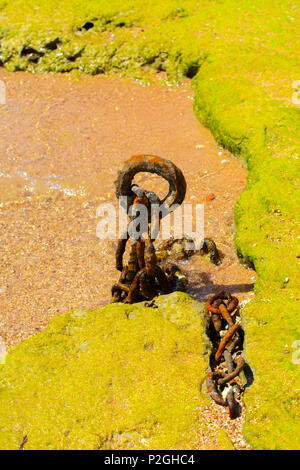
[272, 401]
[244, 59]
[265, 134]
[122, 377]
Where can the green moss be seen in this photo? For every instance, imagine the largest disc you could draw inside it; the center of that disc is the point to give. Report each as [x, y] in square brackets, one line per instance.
[245, 57]
[273, 399]
[122, 377]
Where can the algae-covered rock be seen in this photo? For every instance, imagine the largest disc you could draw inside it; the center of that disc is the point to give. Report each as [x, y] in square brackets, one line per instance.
[121, 377]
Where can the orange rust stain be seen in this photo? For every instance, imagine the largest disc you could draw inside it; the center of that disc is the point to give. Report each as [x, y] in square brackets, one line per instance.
[212, 309]
[141, 200]
[134, 158]
[225, 340]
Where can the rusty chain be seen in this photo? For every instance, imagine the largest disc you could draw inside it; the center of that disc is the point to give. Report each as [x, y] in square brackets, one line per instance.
[226, 360]
[143, 278]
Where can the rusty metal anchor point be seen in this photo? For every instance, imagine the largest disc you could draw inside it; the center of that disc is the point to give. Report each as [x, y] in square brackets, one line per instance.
[226, 360]
[143, 278]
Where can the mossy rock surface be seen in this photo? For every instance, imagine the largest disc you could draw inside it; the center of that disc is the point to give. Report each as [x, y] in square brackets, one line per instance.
[122, 377]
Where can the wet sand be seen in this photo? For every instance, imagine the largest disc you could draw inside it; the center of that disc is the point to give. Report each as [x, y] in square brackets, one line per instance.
[62, 139]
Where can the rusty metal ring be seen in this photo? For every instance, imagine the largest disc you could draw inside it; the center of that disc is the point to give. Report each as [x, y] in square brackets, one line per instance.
[151, 164]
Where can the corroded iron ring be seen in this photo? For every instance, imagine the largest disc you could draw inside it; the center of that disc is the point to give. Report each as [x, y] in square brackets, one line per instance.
[151, 164]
